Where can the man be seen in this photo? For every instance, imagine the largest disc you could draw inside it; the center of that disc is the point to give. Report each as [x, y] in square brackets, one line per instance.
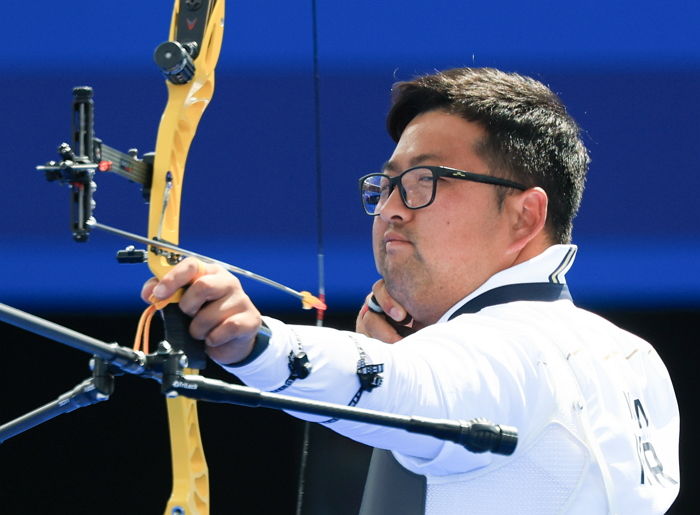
[471, 236]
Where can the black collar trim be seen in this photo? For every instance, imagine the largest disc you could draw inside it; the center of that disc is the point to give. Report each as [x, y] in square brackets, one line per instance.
[547, 292]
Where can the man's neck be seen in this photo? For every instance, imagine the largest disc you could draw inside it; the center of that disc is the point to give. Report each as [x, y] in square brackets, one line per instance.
[430, 312]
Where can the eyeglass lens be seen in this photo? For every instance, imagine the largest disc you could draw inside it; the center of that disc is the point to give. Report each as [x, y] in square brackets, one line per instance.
[417, 189]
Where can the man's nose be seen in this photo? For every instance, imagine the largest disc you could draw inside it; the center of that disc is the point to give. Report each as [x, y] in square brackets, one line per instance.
[394, 207]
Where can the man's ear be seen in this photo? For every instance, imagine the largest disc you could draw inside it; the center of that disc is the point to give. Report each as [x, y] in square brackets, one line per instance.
[527, 212]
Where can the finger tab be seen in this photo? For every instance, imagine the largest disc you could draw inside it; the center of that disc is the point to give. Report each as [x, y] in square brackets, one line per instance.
[373, 304]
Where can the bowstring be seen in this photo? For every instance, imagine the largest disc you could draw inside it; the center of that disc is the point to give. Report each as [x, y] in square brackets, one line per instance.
[320, 255]
[319, 176]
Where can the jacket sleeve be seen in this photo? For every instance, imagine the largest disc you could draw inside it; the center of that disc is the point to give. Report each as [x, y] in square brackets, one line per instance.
[437, 372]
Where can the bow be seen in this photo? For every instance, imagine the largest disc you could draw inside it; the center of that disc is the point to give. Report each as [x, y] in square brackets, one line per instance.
[187, 100]
[188, 60]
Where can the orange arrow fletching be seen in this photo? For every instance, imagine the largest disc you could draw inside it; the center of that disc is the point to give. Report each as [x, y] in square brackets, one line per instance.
[309, 301]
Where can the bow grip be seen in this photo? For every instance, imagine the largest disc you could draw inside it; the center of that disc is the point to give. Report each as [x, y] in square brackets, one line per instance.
[177, 334]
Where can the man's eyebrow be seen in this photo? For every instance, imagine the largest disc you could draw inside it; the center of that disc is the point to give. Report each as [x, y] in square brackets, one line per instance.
[390, 166]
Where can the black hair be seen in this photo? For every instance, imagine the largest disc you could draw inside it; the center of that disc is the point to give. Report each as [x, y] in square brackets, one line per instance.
[530, 136]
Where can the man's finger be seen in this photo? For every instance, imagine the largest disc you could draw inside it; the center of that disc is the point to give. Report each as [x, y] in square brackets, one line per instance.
[181, 275]
[373, 304]
[148, 289]
[209, 313]
[386, 304]
[377, 326]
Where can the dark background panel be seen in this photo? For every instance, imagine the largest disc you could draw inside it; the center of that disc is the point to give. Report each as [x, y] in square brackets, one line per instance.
[113, 457]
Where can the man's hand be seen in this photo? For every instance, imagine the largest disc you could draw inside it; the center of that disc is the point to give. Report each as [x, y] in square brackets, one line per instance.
[381, 317]
[222, 314]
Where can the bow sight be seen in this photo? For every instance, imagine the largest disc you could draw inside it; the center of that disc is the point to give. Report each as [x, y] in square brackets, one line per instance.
[88, 154]
[77, 170]
[78, 164]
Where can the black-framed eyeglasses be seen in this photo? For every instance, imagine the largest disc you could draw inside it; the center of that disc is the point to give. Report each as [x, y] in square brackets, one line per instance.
[417, 186]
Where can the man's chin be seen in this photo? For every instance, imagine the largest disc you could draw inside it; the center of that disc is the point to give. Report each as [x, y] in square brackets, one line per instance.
[398, 284]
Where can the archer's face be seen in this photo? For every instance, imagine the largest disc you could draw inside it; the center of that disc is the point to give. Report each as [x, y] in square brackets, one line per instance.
[432, 257]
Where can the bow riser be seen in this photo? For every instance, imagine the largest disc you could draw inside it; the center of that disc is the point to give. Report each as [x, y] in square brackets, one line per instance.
[190, 472]
[186, 104]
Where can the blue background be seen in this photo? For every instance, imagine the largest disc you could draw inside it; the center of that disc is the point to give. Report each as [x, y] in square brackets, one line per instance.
[629, 72]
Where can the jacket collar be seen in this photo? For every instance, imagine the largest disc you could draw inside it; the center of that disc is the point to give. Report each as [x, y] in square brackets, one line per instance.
[548, 267]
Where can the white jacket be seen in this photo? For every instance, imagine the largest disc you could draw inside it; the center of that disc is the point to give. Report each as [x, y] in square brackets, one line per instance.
[594, 406]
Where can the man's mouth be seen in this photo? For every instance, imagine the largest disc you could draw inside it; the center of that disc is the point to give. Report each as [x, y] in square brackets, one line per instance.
[394, 240]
